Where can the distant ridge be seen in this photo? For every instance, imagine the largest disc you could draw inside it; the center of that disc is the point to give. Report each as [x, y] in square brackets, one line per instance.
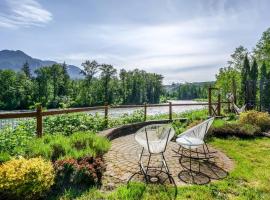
[14, 60]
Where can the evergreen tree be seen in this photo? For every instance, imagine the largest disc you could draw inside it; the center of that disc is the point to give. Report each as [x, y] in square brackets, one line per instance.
[245, 71]
[253, 76]
[107, 73]
[64, 88]
[26, 69]
[264, 86]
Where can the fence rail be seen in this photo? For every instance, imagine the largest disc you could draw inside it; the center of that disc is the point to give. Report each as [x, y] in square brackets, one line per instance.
[39, 113]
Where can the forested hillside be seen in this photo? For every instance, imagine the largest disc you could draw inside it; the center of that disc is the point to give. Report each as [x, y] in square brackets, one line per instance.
[52, 87]
[187, 91]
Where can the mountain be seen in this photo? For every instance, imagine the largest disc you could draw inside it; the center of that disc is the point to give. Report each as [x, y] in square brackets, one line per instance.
[15, 59]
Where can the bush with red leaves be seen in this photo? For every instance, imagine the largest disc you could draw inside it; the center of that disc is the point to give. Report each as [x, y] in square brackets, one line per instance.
[82, 172]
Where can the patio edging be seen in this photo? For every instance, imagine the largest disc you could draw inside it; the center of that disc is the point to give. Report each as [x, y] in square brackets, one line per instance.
[127, 129]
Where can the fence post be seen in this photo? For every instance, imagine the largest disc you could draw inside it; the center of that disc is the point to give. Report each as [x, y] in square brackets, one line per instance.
[229, 107]
[106, 114]
[219, 105]
[170, 111]
[210, 101]
[145, 111]
[39, 121]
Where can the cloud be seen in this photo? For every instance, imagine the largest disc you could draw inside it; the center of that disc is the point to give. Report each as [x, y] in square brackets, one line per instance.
[17, 13]
[168, 48]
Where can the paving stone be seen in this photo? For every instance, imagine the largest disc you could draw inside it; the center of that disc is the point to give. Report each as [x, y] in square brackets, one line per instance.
[122, 161]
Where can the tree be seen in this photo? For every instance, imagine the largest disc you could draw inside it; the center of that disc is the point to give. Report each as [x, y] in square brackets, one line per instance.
[262, 49]
[264, 86]
[26, 70]
[245, 71]
[107, 72]
[8, 95]
[253, 82]
[43, 85]
[229, 81]
[56, 72]
[90, 68]
[238, 57]
[64, 87]
[123, 79]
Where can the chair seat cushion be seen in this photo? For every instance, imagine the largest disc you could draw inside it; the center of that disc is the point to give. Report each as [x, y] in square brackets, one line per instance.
[189, 142]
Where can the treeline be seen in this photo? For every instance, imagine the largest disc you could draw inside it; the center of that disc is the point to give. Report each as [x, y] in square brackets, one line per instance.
[188, 91]
[52, 87]
[247, 75]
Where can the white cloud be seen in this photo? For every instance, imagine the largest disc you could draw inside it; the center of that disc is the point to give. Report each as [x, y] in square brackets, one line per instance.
[202, 43]
[168, 49]
[16, 13]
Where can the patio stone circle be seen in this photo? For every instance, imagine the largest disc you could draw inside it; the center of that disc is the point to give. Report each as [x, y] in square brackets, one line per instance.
[122, 161]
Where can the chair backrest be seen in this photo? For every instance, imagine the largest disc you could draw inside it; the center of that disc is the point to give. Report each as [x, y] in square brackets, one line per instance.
[154, 138]
[230, 97]
[198, 131]
[239, 110]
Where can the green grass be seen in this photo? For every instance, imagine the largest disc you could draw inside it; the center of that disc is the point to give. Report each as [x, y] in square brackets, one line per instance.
[250, 178]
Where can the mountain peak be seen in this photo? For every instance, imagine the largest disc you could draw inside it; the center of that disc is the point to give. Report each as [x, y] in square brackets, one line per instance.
[14, 59]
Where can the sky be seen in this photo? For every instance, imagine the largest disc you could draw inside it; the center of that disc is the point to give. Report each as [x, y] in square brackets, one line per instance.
[184, 40]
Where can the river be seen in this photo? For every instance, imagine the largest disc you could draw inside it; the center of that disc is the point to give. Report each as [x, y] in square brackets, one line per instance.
[117, 112]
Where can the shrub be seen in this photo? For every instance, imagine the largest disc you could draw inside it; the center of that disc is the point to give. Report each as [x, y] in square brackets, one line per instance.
[25, 179]
[4, 156]
[77, 145]
[195, 115]
[136, 116]
[260, 119]
[13, 141]
[67, 124]
[83, 172]
[221, 128]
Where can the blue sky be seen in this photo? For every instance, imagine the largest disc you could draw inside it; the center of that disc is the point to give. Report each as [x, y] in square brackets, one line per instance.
[183, 40]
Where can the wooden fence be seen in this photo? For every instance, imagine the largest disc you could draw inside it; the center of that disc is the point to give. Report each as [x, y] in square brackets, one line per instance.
[214, 108]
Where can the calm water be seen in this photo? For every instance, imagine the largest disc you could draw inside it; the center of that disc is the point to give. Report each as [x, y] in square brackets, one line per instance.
[117, 112]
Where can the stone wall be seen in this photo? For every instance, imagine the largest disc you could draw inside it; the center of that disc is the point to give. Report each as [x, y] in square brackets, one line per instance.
[127, 129]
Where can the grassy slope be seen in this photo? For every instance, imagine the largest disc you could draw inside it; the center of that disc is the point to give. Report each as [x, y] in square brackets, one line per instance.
[249, 180]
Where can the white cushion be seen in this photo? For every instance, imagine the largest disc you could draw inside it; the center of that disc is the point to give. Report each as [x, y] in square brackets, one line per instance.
[189, 142]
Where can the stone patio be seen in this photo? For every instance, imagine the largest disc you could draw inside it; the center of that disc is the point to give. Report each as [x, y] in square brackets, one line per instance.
[122, 161]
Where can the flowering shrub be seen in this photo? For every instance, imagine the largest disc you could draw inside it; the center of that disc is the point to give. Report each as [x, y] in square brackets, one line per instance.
[260, 119]
[82, 172]
[25, 179]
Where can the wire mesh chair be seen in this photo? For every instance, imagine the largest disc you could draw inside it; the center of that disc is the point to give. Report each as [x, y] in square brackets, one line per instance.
[237, 110]
[154, 140]
[190, 144]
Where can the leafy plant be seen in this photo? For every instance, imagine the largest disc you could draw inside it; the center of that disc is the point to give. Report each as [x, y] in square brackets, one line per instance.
[136, 116]
[86, 171]
[221, 128]
[25, 179]
[67, 124]
[14, 141]
[260, 119]
[77, 145]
